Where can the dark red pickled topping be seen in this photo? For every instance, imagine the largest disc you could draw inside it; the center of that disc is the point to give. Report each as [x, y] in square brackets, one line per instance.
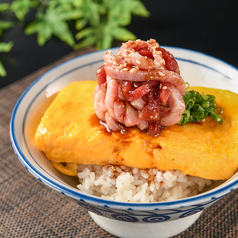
[164, 93]
[170, 63]
[146, 52]
[133, 91]
[154, 128]
[151, 111]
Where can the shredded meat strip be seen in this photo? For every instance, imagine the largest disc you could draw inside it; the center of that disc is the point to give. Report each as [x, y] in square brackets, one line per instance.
[140, 86]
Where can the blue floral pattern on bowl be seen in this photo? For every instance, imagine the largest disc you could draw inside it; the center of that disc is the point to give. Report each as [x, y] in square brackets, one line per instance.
[154, 216]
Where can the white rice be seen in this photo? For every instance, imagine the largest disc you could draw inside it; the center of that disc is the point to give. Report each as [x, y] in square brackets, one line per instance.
[125, 184]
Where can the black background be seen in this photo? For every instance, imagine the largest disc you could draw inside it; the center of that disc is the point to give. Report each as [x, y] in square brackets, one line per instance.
[206, 26]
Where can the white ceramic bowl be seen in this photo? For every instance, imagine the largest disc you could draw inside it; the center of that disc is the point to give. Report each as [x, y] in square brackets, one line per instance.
[162, 219]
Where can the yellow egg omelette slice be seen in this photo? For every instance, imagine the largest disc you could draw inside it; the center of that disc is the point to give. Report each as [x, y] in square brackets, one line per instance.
[70, 133]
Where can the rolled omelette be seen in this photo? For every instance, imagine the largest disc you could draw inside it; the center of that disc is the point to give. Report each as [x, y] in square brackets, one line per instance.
[70, 133]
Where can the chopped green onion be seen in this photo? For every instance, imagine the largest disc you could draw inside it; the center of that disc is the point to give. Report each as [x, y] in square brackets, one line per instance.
[189, 104]
[205, 104]
[185, 118]
[199, 106]
[187, 85]
[216, 118]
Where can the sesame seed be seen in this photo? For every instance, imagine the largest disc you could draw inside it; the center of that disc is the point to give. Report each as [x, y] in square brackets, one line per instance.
[125, 69]
[98, 71]
[158, 52]
[120, 66]
[165, 87]
[162, 61]
[157, 63]
[161, 74]
[133, 70]
[138, 61]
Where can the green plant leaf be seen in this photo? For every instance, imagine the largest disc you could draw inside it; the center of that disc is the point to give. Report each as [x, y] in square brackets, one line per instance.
[85, 33]
[91, 13]
[81, 23]
[61, 30]
[72, 14]
[6, 47]
[66, 2]
[3, 72]
[53, 22]
[4, 7]
[122, 11]
[114, 15]
[86, 42]
[44, 34]
[138, 8]
[122, 34]
[22, 7]
[106, 42]
[5, 25]
[34, 27]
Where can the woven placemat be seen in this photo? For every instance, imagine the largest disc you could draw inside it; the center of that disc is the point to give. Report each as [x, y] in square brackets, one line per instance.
[28, 208]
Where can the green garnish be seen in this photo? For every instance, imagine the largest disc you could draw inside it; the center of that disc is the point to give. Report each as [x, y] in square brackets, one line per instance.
[199, 106]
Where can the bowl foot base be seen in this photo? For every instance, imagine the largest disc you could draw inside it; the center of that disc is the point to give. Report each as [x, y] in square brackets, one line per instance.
[142, 230]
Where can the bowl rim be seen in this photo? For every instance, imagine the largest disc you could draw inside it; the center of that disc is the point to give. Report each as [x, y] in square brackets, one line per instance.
[77, 194]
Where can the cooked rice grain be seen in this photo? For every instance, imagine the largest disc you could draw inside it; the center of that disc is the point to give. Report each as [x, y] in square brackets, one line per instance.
[125, 184]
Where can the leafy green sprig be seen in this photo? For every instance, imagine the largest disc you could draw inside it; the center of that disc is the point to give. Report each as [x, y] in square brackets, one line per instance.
[22, 7]
[199, 106]
[96, 22]
[4, 46]
[105, 20]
